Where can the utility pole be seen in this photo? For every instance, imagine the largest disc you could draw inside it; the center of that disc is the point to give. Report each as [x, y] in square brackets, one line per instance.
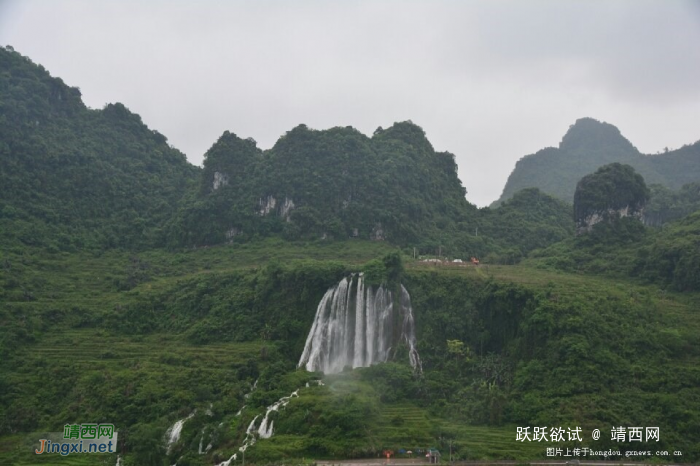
[442, 441]
[476, 232]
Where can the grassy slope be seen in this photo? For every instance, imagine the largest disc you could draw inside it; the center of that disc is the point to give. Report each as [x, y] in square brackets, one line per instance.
[51, 295]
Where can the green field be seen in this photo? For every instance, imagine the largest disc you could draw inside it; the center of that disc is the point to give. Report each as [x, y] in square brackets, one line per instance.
[70, 360]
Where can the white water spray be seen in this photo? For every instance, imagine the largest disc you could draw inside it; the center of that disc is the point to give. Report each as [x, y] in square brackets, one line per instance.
[173, 434]
[266, 427]
[358, 326]
[265, 430]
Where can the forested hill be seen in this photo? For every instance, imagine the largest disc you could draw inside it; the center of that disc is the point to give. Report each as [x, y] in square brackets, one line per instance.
[74, 177]
[590, 144]
[334, 183]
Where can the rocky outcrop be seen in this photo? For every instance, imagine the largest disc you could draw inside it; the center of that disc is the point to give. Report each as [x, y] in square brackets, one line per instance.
[220, 179]
[587, 223]
[269, 204]
[614, 191]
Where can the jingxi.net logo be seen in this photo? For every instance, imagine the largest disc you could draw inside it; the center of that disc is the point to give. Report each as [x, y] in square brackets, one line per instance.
[80, 438]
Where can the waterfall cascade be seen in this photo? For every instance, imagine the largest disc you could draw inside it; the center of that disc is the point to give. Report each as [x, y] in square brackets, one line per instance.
[265, 430]
[173, 434]
[266, 426]
[358, 326]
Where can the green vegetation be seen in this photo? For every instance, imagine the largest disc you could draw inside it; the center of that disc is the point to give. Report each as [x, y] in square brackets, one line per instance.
[668, 257]
[666, 205]
[75, 178]
[501, 346]
[590, 144]
[613, 190]
[391, 187]
[529, 220]
[330, 184]
[139, 290]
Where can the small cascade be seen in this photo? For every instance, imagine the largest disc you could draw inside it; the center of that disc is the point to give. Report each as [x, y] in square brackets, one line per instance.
[228, 461]
[408, 330]
[250, 434]
[255, 385]
[173, 434]
[266, 427]
[357, 326]
[247, 395]
[201, 442]
[265, 430]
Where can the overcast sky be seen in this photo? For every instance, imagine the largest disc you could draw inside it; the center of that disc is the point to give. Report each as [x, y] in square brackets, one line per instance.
[489, 81]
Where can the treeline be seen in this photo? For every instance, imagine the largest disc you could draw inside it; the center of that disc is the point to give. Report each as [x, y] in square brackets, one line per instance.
[590, 144]
[77, 178]
[74, 177]
[332, 184]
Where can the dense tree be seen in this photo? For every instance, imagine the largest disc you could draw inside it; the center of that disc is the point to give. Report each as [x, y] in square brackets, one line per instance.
[73, 177]
[590, 144]
[613, 191]
[336, 183]
[666, 205]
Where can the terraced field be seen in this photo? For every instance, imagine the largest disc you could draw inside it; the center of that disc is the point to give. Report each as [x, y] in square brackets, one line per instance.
[94, 349]
[67, 362]
[91, 364]
[405, 426]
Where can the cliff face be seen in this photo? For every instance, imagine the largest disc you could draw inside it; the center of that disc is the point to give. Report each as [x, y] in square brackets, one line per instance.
[586, 224]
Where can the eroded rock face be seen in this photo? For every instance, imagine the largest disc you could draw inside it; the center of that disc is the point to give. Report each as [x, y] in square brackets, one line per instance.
[269, 204]
[586, 224]
[377, 233]
[286, 208]
[232, 233]
[220, 180]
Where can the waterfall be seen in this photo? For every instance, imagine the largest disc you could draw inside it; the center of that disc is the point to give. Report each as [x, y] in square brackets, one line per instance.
[173, 434]
[357, 326]
[265, 429]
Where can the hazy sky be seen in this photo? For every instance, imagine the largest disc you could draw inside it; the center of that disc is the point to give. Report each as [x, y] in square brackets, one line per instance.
[489, 81]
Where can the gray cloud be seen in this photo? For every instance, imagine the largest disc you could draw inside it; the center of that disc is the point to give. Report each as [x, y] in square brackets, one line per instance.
[489, 81]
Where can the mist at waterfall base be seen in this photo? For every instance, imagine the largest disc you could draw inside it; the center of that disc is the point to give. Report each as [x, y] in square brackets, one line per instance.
[357, 325]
